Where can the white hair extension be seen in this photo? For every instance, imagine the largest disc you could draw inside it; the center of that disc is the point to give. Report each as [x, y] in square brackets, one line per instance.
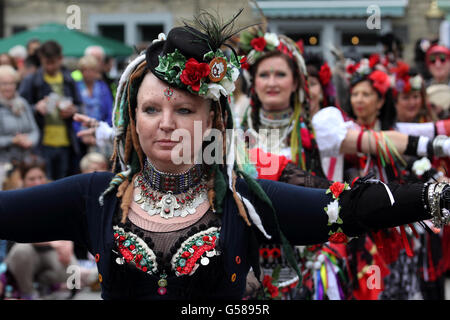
[251, 209]
[298, 58]
[123, 79]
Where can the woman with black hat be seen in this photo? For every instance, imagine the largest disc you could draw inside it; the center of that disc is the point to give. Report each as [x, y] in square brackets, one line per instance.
[161, 229]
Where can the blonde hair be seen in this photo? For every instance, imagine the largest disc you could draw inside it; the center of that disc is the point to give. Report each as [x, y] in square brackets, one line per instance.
[88, 62]
[7, 70]
[92, 157]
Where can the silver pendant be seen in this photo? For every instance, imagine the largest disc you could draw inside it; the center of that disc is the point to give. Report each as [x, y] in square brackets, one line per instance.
[167, 205]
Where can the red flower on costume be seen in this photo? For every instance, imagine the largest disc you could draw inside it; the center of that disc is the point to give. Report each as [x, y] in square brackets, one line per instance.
[194, 72]
[380, 81]
[325, 74]
[338, 237]
[351, 68]
[337, 188]
[374, 59]
[306, 138]
[244, 63]
[258, 43]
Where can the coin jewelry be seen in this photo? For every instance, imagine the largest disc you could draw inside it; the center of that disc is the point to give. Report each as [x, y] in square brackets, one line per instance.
[170, 195]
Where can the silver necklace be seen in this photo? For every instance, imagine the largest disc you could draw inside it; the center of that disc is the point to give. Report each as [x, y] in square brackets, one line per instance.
[166, 204]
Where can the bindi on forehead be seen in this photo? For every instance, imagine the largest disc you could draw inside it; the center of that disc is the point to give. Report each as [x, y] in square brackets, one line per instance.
[168, 93]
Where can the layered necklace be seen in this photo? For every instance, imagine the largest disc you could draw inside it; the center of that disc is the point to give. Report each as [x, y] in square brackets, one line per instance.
[274, 141]
[170, 195]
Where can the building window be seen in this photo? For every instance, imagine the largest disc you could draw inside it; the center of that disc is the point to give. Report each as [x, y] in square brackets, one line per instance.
[310, 39]
[359, 39]
[17, 29]
[116, 32]
[149, 32]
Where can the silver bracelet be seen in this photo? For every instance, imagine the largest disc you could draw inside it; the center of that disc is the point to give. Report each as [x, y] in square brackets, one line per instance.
[438, 217]
[438, 144]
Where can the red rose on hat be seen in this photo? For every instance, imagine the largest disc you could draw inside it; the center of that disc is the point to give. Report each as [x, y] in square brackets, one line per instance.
[258, 43]
[194, 72]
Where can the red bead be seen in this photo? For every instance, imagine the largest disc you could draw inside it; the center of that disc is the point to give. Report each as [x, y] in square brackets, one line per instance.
[121, 238]
[205, 238]
[116, 235]
[162, 291]
[186, 254]
[179, 269]
[132, 247]
[144, 269]
[194, 247]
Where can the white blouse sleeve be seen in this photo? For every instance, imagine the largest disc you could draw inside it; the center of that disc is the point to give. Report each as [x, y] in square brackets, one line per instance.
[416, 129]
[104, 134]
[330, 130]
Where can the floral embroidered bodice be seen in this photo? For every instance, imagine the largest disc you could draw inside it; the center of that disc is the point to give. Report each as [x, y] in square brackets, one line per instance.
[176, 253]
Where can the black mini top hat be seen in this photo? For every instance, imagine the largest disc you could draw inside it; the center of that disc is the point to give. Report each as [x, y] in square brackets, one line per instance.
[191, 58]
[190, 42]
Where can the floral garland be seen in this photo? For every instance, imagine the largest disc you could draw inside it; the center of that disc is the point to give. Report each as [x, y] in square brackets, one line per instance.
[332, 211]
[256, 44]
[210, 80]
[365, 68]
[401, 81]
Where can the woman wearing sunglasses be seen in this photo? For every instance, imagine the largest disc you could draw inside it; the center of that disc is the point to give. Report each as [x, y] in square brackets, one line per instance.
[438, 63]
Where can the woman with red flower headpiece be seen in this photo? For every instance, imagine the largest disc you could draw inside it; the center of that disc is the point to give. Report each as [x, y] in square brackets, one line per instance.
[410, 101]
[268, 87]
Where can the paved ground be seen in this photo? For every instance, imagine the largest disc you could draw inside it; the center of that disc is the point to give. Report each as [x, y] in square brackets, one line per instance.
[87, 294]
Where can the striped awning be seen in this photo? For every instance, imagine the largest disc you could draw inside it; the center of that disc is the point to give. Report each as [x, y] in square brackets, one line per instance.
[331, 9]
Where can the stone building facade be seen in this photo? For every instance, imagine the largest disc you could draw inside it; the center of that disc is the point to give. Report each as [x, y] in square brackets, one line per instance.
[137, 22]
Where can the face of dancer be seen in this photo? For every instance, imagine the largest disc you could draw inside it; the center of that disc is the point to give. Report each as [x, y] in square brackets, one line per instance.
[408, 106]
[165, 124]
[365, 103]
[274, 83]
[439, 66]
[315, 94]
[34, 177]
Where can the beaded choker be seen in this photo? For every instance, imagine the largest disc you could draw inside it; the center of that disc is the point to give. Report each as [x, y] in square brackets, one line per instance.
[170, 195]
[275, 118]
[175, 183]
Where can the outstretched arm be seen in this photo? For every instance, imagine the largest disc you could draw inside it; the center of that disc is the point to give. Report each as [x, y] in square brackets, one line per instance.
[54, 211]
[367, 206]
